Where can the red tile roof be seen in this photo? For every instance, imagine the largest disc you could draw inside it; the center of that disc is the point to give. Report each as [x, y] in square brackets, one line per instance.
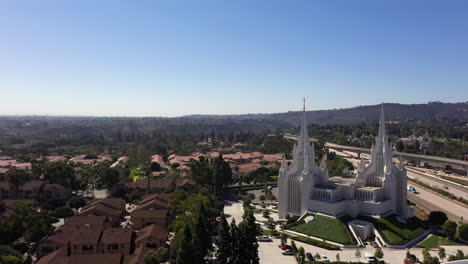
[155, 203]
[157, 183]
[152, 231]
[157, 213]
[110, 258]
[92, 209]
[159, 196]
[117, 236]
[86, 236]
[114, 203]
[85, 220]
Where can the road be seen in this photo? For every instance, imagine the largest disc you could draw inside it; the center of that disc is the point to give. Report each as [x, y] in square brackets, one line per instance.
[432, 202]
[434, 181]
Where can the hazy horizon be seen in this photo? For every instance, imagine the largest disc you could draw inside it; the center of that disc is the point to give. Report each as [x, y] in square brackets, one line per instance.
[177, 58]
[299, 109]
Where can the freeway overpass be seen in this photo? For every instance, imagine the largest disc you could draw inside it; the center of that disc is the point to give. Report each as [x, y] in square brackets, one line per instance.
[462, 164]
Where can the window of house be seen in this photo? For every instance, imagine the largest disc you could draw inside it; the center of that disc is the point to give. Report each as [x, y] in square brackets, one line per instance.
[151, 245]
[87, 248]
[112, 247]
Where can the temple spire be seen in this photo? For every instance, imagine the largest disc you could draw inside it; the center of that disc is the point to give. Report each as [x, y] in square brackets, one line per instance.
[382, 123]
[304, 133]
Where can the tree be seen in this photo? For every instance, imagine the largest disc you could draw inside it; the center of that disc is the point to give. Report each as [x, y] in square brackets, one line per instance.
[76, 202]
[441, 253]
[450, 229]
[378, 253]
[463, 231]
[301, 254]
[425, 253]
[59, 172]
[10, 260]
[158, 256]
[64, 212]
[262, 198]
[184, 252]
[17, 177]
[109, 177]
[293, 247]
[200, 236]
[284, 238]
[408, 254]
[459, 255]
[337, 256]
[248, 234]
[236, 239]
[223, 241]
[437, 218]
[358, 254]
[431, 260]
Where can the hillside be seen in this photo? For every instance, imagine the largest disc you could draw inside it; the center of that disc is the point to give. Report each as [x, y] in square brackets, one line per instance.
[358, 114]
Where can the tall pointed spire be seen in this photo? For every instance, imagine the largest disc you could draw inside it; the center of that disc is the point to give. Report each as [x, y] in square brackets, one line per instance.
[382, 123]
[304, 133]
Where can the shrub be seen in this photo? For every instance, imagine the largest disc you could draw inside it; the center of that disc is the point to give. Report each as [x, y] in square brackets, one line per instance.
[463, 232]
[64, 212]
[76, 202]
[437, 218]
[316, 243]
[450, 228]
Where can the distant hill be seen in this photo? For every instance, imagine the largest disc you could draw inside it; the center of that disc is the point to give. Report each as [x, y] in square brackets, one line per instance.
[358, 114]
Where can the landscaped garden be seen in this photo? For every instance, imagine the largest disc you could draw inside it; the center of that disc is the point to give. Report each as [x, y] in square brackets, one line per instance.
[327, 228]
[395, 232]
[436, 240]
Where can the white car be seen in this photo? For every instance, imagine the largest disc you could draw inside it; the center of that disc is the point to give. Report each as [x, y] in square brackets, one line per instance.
[264, 239]
[324, 258]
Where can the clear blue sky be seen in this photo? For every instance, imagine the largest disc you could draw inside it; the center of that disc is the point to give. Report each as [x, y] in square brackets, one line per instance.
[170, 58]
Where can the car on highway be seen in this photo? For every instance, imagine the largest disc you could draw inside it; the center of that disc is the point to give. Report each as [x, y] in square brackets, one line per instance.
[309, 256]
[411, 189]
[445, 187]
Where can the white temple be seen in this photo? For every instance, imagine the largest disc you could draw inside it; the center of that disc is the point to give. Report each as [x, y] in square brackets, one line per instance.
[378, 190]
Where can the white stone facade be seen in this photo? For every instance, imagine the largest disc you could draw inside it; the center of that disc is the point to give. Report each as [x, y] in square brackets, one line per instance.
[378, 190]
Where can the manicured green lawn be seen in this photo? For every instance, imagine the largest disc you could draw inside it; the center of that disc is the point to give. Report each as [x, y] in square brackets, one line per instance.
[395, 232]
[435, 240]
[326, 228]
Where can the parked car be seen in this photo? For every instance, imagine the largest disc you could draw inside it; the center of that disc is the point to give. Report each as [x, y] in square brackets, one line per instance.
[285, 247]
[369, 258]
[287, 252]
[264, 239]
[445, 187]
[325, 258]
[309, 256]
[374, 244]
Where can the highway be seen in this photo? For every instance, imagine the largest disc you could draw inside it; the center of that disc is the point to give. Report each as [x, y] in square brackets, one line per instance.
[429, 201]
[455, 189]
